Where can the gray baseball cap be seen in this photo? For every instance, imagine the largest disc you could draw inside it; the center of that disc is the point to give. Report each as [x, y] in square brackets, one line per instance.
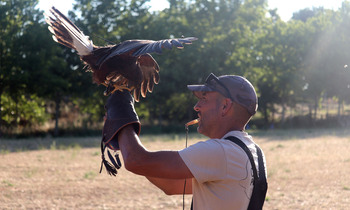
[237, 88]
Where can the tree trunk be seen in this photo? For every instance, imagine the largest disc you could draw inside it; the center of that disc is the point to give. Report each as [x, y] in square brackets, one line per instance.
[57, 114]
[310, 114]
[0, 114]
[340, 102]
[327, 108]
[266, 116]
[316, 105]
[1, 87]
[160, 117]
[16, 111]
[283, 117]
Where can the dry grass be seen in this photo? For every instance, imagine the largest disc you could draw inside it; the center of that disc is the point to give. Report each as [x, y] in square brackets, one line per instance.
[306, 169]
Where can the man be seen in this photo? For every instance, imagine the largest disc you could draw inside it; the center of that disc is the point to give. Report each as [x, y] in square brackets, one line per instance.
[217, 172]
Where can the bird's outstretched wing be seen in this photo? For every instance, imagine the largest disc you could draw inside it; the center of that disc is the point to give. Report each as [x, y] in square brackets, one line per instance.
[140, 47]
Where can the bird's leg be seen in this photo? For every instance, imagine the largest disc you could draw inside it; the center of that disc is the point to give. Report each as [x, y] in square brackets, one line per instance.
[112, 87]
[120, 88]
[109, 88]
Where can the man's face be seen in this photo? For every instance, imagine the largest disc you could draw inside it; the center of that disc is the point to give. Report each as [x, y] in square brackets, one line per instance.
[208, 108]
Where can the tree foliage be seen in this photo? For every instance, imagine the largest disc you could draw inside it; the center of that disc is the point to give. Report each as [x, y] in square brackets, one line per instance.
[300, 61]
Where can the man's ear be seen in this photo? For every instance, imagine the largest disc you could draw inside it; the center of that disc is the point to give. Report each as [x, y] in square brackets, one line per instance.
[226, 106]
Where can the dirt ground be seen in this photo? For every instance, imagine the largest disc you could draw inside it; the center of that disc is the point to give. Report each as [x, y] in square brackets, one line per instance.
[305, 171]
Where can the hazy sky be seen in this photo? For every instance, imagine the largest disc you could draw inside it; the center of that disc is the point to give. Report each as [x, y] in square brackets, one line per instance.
[285, 8]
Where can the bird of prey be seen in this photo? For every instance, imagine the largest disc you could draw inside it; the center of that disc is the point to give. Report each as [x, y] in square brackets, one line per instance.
[127, 65]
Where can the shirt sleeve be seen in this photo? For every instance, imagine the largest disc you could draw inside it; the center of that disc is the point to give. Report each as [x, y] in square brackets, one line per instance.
[206, 160]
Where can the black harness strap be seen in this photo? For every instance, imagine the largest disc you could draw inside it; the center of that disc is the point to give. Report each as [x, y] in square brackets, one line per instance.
[249, 153]
[260, 183]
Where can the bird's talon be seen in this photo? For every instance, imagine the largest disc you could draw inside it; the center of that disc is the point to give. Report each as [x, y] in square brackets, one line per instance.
[115, 89]
[110, 89]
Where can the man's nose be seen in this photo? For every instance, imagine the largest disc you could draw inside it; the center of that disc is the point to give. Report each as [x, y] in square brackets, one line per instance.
[196, 107]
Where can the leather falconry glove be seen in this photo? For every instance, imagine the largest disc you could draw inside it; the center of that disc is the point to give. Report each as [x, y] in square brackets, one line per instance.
[120, 112]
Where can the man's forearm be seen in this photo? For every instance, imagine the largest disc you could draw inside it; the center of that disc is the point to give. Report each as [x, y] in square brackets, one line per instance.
[131, 148]
[161, 164]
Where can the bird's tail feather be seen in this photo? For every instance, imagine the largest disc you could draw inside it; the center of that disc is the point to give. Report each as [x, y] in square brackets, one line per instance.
[68, 34]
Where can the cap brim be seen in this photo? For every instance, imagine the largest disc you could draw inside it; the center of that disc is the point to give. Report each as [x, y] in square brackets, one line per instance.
[199, 88]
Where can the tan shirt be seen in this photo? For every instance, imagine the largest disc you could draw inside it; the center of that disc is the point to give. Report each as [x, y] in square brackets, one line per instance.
[222, 172]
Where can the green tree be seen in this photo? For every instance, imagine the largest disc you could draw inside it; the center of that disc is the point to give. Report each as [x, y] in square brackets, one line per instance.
[32, 64]
[318, 62]
[16, 18]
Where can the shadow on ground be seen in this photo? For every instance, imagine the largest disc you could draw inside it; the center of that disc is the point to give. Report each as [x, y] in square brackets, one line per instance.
[18, 145]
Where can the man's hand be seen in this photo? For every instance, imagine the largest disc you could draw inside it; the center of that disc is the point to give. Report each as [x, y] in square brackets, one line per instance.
[119, 113]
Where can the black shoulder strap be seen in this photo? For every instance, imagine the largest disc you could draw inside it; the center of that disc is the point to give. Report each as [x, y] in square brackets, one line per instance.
[250, 156]
[262, 169]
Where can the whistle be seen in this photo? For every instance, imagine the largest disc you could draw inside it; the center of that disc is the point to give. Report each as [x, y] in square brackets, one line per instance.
[195, 121]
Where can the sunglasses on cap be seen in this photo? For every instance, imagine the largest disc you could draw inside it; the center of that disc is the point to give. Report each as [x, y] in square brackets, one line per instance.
[214, 83]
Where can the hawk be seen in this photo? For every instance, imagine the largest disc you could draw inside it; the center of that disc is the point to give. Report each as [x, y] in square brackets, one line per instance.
[127, 65]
